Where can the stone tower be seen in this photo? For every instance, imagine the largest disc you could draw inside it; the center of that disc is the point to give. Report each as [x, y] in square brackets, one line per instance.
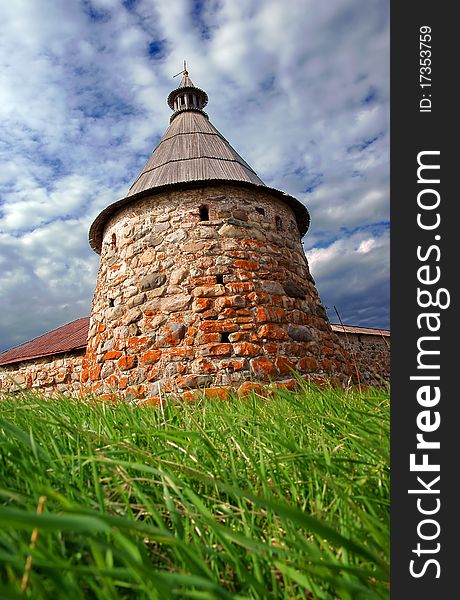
[203, 281]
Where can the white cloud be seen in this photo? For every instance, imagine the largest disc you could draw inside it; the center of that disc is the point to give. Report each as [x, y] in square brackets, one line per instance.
[352, 273]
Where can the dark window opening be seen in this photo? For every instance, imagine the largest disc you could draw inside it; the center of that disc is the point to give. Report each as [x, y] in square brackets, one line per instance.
[204, 213]
[279, 223]
[111, 302]
[182, 101]
[224, 337]
[219, 279]
[114, 242]
[260, 210]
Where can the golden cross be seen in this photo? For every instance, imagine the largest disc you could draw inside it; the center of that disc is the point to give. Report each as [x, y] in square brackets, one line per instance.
[184, 72]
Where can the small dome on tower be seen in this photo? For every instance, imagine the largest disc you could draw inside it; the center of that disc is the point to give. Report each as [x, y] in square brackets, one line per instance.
[187, 96]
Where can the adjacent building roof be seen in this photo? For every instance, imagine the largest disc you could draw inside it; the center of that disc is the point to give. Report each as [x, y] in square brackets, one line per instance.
[359, 330]
[67, 338]
[191, 152]
[72, 337]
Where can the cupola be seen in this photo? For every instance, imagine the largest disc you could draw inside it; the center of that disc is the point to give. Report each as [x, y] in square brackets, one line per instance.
[187, 97]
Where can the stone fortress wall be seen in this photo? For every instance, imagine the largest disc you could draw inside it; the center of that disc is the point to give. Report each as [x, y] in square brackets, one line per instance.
[60, 373]
[55, 374]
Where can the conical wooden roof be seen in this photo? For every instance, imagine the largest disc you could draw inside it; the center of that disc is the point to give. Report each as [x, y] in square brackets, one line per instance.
[190, 152]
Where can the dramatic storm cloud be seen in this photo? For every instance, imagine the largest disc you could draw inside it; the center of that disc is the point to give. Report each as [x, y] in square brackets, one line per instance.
[299, 88]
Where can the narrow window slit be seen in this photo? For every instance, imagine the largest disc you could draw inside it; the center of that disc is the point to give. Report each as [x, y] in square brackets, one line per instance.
[111, 302]
[204, 213]
[224, 337]
[219, 279]
[260, 210]
[279, 223]
[113, 244]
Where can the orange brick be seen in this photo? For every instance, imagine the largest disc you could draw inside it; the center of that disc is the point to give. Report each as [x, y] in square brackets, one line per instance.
[258, 298]
[138, 343]
[108, 397]
[153, 401]
[248, 388]
[246, 349]
[207, 338]
[138, 391]
[270, 314]
[290, 384]
[227, 313]
[126, 362]
[229, 302]
[217, 393]
[232, 364]
[180, 352]
[150, 357]
[201, 304]
[204, 280]
[327, 351]
[327, 365]
[153, 373]
[308, 364]
[240, 287]
[264, 368]
[272, 332]
[217, 327]
[112, 354]
[203, 365]
[284, 365]
[112, 381]
[220, 349]
[247, 265]
[271, 347]
[95, 373]
[243, 320]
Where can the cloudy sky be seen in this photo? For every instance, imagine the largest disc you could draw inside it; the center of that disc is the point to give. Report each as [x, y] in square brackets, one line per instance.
[300, 88]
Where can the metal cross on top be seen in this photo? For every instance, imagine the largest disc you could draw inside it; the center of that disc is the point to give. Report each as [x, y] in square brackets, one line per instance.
[184, 72]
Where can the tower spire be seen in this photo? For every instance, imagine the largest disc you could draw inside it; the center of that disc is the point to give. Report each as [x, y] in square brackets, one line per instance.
[186, 97]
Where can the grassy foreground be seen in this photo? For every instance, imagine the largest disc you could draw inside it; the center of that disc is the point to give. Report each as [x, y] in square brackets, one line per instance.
[286, 497]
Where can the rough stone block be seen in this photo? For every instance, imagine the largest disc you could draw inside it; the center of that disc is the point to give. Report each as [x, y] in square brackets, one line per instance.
[301, 333]
[152, 281]
[209, 291]
[170, 335]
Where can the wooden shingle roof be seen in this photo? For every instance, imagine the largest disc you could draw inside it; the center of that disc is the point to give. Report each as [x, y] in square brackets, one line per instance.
[192, 149]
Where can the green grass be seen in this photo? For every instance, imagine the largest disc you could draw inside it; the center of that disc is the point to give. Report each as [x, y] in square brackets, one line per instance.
[286, 497]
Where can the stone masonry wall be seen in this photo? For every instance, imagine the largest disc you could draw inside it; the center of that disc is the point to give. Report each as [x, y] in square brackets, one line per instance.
[49, 375]
[62, 373]
[182, 303]
[371, 354]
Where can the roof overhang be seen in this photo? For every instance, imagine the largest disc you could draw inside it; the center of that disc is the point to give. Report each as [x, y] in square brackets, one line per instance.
[96, 232]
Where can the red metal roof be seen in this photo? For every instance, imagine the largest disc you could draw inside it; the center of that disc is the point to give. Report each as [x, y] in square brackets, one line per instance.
[73, 337]
[63, 339]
